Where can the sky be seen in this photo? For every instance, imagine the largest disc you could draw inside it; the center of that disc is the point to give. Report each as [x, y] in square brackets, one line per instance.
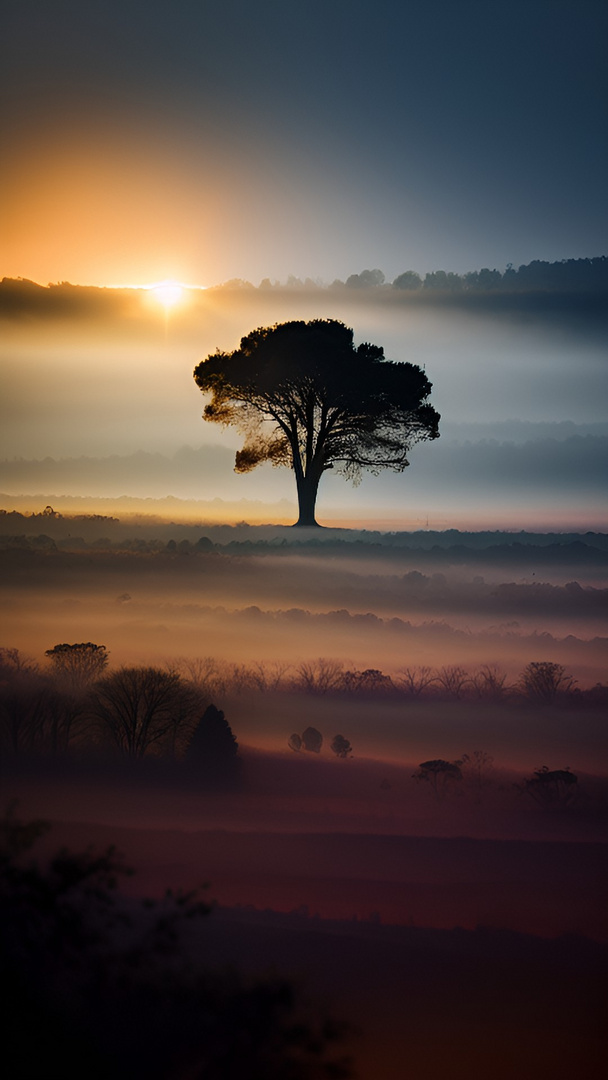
[209, 143]
[205, 141]
[107, 407]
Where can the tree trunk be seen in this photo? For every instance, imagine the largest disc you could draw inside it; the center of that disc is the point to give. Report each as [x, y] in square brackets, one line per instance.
[307, 497]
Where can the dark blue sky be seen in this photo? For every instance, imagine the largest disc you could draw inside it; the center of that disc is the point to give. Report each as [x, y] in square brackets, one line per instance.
[206, 140]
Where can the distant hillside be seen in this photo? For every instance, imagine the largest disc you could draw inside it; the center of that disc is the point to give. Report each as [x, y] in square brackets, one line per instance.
[569, 277]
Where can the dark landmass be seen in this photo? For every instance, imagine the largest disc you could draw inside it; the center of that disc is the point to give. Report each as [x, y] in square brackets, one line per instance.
[469, 1004]
[576, 286]
[543, 888]
[409, 1000]
[318, 576]
[420, 1001]
[157, 589]
[243, 537]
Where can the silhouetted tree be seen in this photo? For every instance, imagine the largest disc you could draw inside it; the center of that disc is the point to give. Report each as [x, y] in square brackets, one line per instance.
[213, 748]
[75, 666]
[341, 746]
[367, 279]
[24, 695]
[268, 677]
[542, 681]
[439, 774]
[409, 280]
[304, 396]
[319, 676]
[489, 279]
[452, 680]
[490, 682]
[312, 740]
[140, 708]
[414, 681]
[65, 719]
[551, 786]
[201, 671]
[371, 681]
[436, 279]
[35, 715]
[13, 662]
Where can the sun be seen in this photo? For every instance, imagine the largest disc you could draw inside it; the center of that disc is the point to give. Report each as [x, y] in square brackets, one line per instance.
[168, 293]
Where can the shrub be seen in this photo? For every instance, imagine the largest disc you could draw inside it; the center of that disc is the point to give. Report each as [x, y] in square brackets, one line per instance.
[541, 681]
[551, 787]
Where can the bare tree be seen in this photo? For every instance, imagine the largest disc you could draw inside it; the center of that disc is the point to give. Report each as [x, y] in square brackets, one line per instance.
[13, 662]
[269, 677]
[541, 681]
[24, 713]
[490, 682]
[319, 676]
[212, 676]
[414, 681]
[453, 681]
[233, 678]
[34, 717]
[142, 707]
[201, 671]
[188, 704]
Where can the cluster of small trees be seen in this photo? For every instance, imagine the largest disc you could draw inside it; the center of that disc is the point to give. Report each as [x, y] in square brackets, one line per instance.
[137, 711]
[566, 275]
[147, 710]
[541, 681]
[50, 514]
[311, 740]
[42, 542]
[548, 787]
[63, 298]
[470, 774]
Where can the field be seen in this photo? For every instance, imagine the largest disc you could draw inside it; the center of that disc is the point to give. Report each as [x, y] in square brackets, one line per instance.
[441, 913]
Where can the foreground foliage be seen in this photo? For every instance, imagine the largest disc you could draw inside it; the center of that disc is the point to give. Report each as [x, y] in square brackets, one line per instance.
[98, 988]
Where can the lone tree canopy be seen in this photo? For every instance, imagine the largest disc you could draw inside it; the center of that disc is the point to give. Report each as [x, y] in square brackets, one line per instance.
[305, 396]
[79, 664]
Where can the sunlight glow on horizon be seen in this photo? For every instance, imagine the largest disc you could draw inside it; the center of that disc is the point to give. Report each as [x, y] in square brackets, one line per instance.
[168, 293]
[150, 285]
